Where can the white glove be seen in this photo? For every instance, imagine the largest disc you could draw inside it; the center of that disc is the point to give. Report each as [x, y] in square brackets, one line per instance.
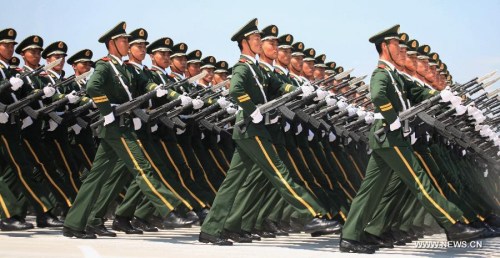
[197, 103]
[185, 100]
[72, 97]
[160, 91]
[455, 101]
[26, 122]
[48, 91]
[179, 131]
[471, 110]
[225, 92]
[306, 90]
[256, 116]
[446, 95]
[109, 118]
[223, 102]
[299, 129]
[478, 127]
[330, 101]
[154, 128]
[320, 94]
[310, 135]
[76, 128]
[52, 125]
[460, 109]
[395, 125]
[342, 105]
[369, 119]
[231, 110]
[93, 104]
[4, 118]
[351, 111]
[287, 127]
[16, 83]
[331, 137]
[137, 123]
[361, 113]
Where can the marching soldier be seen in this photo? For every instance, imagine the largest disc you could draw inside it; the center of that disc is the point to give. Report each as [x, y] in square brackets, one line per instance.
[111, 84]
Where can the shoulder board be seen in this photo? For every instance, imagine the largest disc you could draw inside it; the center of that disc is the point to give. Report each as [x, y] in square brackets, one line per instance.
[18, 69]
[105, 59]
[381, 66]
[243, 60]
[292, 76]
[279, 71]
[43, 74]
[264, 67]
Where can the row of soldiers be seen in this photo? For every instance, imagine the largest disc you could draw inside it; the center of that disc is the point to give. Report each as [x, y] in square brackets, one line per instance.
[295, 166]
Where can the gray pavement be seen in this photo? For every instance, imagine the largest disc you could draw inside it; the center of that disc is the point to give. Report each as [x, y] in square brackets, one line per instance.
[38, 243]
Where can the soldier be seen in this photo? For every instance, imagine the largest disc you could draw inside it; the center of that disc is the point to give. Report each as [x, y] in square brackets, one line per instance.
[319, 67]
[111, 84]
[394, 153]
[254, 145]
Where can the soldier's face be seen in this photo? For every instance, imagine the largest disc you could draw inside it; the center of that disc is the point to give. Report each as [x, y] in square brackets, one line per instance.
[270, 48]
[82, 67]
[53, 58]
[402, 56]
[219, 77]
[394, 49]
[284, 56]
[411, 62]
[121, 45]
[210, 75]
[193, 69]
[179, 62]
[161, 59]
[308, 68]
[430, 75]
[6, 50]
[319, 73]
[32, 56]
[422, 66]
[296, 62]
[254, 43]
[138, 51]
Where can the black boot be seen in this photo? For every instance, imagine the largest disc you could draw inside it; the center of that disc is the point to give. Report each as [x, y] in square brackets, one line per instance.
[377, 241]
[68, 232]
[207, 238]
[123, 224]
[174, 221]
[14, 224]
[48, 220]
[271, 226]
[100, 230]
[143, 225]
[236, 236]
[351, 246]
[462, 232]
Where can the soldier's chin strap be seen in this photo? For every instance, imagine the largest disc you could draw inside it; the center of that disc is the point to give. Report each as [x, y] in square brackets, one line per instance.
[390, 55]
[250, 47]
[114, 43]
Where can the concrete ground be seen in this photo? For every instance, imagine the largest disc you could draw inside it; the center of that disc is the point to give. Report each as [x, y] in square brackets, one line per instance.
[38, 243]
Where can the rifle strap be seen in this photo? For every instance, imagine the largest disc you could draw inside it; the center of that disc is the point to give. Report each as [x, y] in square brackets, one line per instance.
[121, 80]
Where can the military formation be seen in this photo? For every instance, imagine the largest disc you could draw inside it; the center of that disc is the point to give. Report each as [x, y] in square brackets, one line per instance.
[281, 142]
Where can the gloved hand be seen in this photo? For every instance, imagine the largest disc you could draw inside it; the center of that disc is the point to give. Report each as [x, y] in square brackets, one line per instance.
[310, 135]
[471, 110]
[331, 137]
[26, 122]
[455, 101]
[223, 102]
[342, 105]
[185, 100]
[306, 90]
[4, 118]
[197, 103]
[52, 125]
[109, 118]
[320, 94]
[395, 125]
[137, 123]
[330, 101]
[48, 91]
[179, 131]
[446, 95]
[299, 129]
[351, 110]
[16, 83]
[72, 97]
[369, 119]
[256, 116]
[231, 110]
[160, 91]
[225, 92]
[287, 127]
[460, 109]
[76, 128]
[361, 113]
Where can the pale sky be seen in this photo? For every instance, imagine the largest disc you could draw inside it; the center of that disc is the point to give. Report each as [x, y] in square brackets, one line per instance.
[466, 34]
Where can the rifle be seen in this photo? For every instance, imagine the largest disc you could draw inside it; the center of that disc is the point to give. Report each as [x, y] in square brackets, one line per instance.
[458, 87]
[133, 105]
[43, 68]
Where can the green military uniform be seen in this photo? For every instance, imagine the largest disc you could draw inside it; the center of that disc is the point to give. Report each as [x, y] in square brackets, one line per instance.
[254, 145]
[393, 153]
[111, 83]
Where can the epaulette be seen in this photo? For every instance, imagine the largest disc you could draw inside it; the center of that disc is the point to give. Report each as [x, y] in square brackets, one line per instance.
[43, 74]
[243, 60]
[18, 69]
[382, 66]
[105, 59]
[263, 66]
[279, 71]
